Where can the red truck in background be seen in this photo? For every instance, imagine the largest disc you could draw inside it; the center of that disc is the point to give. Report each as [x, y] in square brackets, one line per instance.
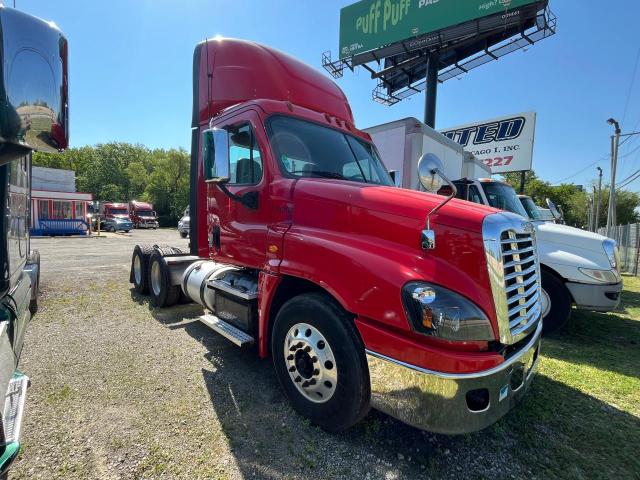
[301, 244]
[114, 210]
[142, 215]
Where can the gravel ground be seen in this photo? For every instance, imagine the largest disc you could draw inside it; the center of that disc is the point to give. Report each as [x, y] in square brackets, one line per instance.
[122, 390]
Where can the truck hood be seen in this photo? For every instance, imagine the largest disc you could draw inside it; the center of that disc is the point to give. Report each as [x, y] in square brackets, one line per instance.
[566, 249]
[569, 237]
[378, 229]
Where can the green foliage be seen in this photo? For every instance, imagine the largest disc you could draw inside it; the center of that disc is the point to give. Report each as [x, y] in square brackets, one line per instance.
[575, 202]
[122, 172]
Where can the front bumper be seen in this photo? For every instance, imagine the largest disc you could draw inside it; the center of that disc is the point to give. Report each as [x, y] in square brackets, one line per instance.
[596, 297]
[12, 420]
[147, 225]
[451, 403]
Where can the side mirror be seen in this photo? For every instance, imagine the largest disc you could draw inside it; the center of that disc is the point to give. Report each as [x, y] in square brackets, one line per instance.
[215, 154]
[430, 172]
[34, 109]
[554, 209]
[431, 177]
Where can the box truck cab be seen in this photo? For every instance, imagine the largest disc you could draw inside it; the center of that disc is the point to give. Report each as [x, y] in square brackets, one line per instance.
[578, 267]
[33, 115]
[362, 294]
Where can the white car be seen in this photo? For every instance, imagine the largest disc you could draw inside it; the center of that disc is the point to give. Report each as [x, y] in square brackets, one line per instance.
[183, 224]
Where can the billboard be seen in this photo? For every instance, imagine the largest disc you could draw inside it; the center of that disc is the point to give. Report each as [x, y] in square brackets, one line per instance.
[370, 24]
[504, 144]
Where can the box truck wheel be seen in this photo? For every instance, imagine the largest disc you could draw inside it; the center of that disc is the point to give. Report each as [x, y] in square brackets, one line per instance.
[163, 293]
[140, 268]
[320, 361]
[556, 303]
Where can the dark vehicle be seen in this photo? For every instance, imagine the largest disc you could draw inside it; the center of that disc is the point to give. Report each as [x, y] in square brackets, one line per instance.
[116, 224]
[33, 116]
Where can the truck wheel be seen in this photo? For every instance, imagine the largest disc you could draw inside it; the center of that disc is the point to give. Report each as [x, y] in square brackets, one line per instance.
[320, 362]
[556, 303]
[140, 268]
[183, 234]
[163, 293]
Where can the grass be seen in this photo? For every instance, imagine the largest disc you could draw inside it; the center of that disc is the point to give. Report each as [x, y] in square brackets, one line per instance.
[582, 416]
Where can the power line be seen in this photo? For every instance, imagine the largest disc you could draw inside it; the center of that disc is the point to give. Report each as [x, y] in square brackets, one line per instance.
[582, 170]
[624, 180]
[630, 181]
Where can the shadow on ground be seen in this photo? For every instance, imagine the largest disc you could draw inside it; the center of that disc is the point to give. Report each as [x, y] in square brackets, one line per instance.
[557, 432]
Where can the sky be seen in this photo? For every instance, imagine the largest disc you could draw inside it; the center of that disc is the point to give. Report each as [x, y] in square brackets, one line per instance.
[131, 67]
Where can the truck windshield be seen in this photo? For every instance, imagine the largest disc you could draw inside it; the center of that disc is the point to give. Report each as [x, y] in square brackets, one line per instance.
[504, 197]
[145, 213]
[305, 149]
[531, 208]
[118, 211]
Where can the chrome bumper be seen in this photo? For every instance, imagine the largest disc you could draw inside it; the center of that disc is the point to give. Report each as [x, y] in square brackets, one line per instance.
[451, 403]
[12, 419]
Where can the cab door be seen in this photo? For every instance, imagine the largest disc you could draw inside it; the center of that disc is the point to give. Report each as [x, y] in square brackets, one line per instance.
[238, 211]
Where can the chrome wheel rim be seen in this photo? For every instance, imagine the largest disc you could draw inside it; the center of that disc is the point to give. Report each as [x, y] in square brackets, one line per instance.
[545, 303]
[155, 277]
[310, 362]
[137, 269]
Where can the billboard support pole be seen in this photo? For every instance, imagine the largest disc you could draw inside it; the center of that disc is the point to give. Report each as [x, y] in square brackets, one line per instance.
[431, 90]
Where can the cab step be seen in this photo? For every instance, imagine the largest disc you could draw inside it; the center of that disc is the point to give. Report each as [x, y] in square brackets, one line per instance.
[227, 330]
[14, 407]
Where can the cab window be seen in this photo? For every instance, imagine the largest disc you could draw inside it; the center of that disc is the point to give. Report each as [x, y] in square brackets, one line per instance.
[245, 160]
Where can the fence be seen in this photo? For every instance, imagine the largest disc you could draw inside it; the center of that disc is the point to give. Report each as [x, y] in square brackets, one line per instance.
[628, 240]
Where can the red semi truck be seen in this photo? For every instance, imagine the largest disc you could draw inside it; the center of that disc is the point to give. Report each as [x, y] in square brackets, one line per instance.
[114, 210]
[142, 215]
[301, 244]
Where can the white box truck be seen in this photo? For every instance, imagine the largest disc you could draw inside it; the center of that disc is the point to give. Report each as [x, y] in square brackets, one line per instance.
[403, 142]
[578, 267]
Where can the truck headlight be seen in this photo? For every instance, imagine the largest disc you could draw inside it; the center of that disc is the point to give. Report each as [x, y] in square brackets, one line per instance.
[604, 276]
[439, 312]
[611, 250]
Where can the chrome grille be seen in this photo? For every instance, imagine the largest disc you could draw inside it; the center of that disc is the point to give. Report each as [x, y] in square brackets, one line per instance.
[514, 273]
[521, 280]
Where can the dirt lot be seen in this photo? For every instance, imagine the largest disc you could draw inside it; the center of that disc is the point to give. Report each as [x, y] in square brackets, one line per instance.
[121, 390]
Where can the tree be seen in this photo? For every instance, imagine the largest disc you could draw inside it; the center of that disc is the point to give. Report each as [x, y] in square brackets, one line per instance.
[122, 172]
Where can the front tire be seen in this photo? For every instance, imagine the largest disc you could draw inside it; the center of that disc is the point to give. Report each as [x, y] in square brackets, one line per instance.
[163, 293]
[320, 361]
[183, 234]
[556, 303]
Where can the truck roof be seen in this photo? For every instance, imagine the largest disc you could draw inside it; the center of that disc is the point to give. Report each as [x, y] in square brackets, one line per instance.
[229, 71]
[140, 205]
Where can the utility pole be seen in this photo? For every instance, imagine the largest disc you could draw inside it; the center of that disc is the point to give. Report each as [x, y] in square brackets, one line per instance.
[597, 219]
[615, 142]
[592, 210]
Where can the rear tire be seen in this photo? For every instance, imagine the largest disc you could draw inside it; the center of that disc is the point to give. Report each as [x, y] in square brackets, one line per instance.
[163, 293]
[139, 275]
[339, 396]
[559, 299]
